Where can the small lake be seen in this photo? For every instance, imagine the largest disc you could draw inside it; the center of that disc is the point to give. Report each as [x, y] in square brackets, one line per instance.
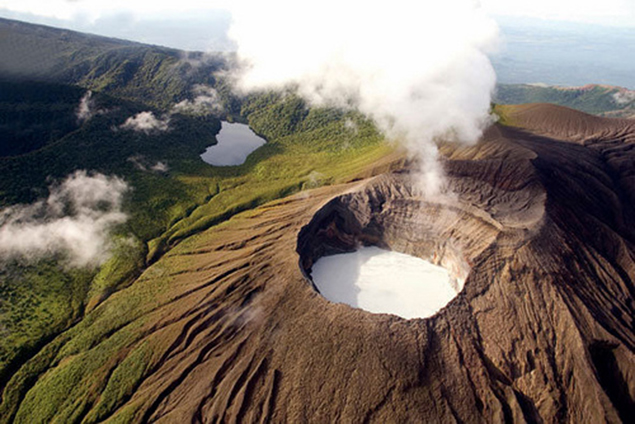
[235, 143]
[381, 281]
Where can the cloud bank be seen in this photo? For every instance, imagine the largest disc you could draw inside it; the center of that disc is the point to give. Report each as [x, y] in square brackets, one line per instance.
[206, 100]
[75, 220]
[146, 122]
[419, 70]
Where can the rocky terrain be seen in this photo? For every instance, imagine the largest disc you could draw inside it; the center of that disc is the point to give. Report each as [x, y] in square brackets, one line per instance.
[227, 327]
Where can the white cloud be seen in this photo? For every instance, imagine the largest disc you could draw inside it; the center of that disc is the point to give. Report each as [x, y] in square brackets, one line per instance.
[420, 70]
[146, 122]
[206, 100]
[84, 110]
[624, 96]
[141, 163]
[75, 219]
[351, 126]
[160, 167]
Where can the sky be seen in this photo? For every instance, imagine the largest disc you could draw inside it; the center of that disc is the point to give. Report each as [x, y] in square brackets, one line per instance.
[616, 13]
[606, 12]
[201, 25]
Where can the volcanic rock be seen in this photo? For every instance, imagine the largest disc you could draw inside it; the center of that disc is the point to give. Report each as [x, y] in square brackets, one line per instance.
[541, 227]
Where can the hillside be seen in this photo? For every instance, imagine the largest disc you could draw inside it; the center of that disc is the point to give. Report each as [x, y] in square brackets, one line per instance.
[600, 100]
[205, 312]
[33, 114]
[171, 192]
[226, 326]
[154, 75]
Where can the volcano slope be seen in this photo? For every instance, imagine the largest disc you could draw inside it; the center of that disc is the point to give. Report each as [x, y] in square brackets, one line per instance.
[227, 326]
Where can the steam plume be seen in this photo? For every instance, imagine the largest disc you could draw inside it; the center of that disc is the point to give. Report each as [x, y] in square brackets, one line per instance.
[75, 219]
[419, 69]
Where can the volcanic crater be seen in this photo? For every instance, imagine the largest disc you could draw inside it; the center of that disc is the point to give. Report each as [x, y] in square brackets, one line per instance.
[388, 213]
[451, 230]
[539, 227]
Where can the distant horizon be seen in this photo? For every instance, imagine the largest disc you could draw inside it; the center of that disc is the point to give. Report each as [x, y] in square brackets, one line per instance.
[206, 30]
[519, 61]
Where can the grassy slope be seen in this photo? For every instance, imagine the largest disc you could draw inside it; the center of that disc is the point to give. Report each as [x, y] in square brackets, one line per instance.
[154, 75]
[40, 300]
[595, 99]
[305, 148]
[60, 338]
[42, 140]
[320, 150]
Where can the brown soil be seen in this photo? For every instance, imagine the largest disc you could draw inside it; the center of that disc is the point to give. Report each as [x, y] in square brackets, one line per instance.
[543, 220]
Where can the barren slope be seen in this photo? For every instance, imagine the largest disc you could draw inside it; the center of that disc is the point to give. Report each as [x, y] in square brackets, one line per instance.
[226, 326]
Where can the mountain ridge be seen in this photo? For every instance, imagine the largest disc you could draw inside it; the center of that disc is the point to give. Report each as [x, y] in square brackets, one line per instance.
[599, 99]
[212, 315]
[542, 331]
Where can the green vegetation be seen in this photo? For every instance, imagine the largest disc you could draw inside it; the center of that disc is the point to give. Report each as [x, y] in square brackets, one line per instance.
[37, 300]
[41, 299]
[51, 314]
[44, 303]
[595, 99]
[325, 146]
[66, 355]
[321, 149]
[45, 74]
[156, 76]
[33, 114]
